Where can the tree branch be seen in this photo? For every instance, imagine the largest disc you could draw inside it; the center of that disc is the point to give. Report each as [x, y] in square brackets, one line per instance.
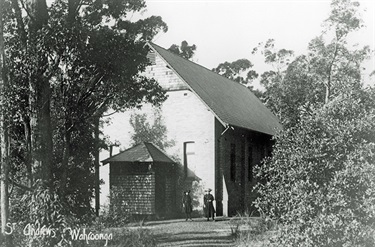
[329, 80]
[20, 23]
[21, 186]
[92, 84]
[110, 114]
[27, 11]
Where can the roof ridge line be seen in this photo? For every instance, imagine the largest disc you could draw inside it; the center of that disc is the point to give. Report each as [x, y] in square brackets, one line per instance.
[183, 79]
[110, 157]
[148, 150]
[252, 113]
[159, 149]
[198, 65]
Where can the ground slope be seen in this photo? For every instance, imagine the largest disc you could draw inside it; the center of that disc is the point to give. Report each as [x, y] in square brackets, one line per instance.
[198, 232]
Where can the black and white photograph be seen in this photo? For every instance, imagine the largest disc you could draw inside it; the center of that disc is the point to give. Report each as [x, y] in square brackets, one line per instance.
[187, 123]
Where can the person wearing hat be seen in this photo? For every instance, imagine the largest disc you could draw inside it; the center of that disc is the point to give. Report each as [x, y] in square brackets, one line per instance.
[208, 205]
[187, 204]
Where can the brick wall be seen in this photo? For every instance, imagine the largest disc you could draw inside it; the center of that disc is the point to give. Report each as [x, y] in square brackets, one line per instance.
[136, 193]
[164, 75]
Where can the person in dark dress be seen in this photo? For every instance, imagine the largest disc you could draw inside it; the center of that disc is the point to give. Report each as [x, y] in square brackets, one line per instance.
[208, 205]
[187, 204]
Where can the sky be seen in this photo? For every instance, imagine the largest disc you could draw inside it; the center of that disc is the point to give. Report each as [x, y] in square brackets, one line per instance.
[225, 30]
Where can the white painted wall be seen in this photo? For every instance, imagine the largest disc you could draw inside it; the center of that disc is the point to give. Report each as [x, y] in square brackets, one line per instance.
[186, 118]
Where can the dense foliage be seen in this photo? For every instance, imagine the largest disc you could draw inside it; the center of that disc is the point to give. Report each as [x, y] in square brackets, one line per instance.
[319, 184]
[144, 131]
[67, 64]
[184, 50]
[235, 70]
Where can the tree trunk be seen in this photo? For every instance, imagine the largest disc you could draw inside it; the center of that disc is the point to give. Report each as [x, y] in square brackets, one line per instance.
[28, 161]
[41, 131]
[65, 163]
[72, 10]
[40, 14]
[25, 119]
[40, 114]
[20, 23]
[4, 141]
[39, 101]
[328, 92]
[328, 84]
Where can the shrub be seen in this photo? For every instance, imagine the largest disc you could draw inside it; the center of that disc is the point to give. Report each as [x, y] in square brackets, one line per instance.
[320, 182]
[117, 213]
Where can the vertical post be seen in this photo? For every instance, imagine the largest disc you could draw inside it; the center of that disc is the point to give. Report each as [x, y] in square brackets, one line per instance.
[4, 141]
[4, 180]
[96, 164]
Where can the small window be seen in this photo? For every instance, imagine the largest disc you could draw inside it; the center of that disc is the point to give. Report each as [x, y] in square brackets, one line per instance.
[250, 164]
[233, 162]
[242, 154]
[189, 163]
[242, 168]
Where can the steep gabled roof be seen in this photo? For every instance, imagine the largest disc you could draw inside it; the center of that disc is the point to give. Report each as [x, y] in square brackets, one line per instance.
[232, 103]
[143, 152]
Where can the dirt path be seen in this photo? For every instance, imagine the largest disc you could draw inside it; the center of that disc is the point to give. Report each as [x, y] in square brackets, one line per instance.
[198, 232]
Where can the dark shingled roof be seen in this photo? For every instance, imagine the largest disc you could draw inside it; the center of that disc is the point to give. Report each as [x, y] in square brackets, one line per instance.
[143, 152]
[231, 102]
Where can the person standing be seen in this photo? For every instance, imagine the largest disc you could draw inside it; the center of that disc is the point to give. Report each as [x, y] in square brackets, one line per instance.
[187, 204]
[208, 205]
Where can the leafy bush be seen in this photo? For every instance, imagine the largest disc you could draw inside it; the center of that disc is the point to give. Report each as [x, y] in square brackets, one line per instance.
[320, 182]
[33, 215]
[116, 214]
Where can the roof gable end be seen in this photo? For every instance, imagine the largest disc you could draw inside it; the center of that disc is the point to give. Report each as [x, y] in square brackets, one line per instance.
[231, 102]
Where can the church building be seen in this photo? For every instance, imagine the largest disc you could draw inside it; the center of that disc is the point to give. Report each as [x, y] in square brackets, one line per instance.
[220, 129]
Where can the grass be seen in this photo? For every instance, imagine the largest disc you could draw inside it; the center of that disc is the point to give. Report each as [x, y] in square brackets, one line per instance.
[251, 231]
